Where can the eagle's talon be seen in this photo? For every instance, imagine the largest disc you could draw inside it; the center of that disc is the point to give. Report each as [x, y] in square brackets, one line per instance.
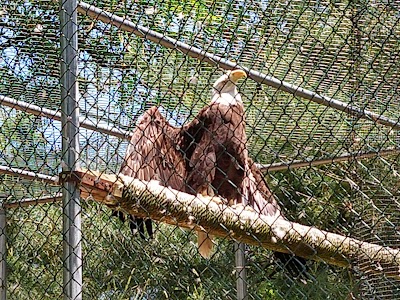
[249, 208]
[206, 199]
[212, 199]
[238, 206]
[219, 201]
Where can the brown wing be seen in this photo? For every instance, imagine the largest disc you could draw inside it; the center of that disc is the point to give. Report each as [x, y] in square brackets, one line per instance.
[257, 193]
[152, 152]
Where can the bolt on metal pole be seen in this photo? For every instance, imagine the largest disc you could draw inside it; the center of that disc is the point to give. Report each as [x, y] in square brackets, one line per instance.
[3, 254]
[72, 234]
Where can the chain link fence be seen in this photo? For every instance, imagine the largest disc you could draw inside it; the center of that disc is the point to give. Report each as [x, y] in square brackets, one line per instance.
[321, 116]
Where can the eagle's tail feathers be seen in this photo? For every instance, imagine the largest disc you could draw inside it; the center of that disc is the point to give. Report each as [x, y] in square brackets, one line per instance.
[205, 244]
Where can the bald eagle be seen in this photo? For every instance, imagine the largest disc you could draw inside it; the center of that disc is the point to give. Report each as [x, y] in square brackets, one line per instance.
[207, 156]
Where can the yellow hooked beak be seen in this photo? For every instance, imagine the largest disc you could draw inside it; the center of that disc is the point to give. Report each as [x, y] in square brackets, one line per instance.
[235, 75]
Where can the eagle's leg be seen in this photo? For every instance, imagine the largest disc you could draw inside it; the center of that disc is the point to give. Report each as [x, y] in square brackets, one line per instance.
[208, 193]
[204, 240]
[241, 206]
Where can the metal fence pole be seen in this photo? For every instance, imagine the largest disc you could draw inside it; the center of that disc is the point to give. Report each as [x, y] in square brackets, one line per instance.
[241, 280]
[72, 235]
[240, 264]
[3, 254]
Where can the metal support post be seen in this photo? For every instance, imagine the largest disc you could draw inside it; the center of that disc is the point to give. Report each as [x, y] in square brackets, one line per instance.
[240, 263]
[72, 234]
[3, 254]
[241, 280]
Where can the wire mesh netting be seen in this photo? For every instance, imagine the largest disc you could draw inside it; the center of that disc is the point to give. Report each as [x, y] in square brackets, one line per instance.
[327, 169]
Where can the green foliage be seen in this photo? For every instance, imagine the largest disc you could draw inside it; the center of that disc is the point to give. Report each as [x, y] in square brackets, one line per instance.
[34, 259]
[119, 266]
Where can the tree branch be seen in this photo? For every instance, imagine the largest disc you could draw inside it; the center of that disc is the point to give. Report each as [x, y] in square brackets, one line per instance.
[150, 199]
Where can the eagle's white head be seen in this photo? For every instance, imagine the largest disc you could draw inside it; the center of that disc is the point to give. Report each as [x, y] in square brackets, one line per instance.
[225, 90]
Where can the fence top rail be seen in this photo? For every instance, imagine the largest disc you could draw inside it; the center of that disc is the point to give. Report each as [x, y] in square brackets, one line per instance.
[247, 226]
[215, 60]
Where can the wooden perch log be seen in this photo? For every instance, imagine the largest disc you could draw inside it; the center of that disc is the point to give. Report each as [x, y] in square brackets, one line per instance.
[150, 199]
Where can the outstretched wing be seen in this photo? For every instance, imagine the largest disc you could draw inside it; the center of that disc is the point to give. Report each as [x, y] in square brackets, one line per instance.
[152, 152]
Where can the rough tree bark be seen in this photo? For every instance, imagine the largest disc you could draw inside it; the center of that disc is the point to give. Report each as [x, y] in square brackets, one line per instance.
[150, 199]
